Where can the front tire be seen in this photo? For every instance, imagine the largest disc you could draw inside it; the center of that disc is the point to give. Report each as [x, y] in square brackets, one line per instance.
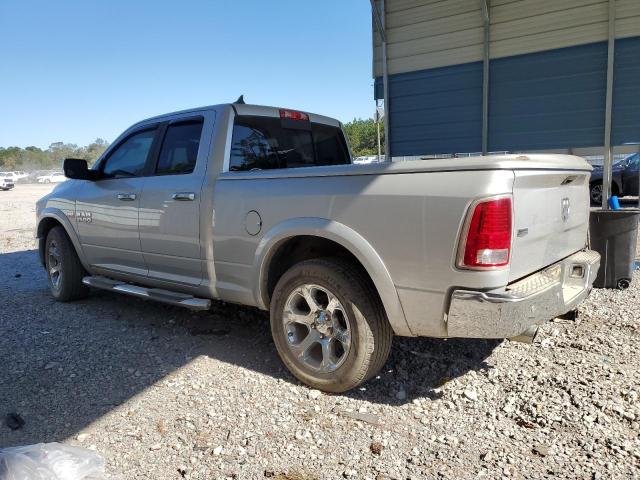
[328, 325]
[64, 270]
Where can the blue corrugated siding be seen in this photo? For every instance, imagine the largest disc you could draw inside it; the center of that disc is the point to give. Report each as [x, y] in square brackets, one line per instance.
[626, 92]
[544, 100]
[552, 99]
[436, 111]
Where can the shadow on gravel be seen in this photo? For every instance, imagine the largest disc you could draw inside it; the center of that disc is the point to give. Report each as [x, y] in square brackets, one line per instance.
[66, 365]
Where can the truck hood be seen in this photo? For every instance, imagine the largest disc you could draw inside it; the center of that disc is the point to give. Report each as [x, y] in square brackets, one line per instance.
[598, 171]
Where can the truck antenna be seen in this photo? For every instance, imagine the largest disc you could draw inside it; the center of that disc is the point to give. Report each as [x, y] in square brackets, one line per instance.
[240, 100]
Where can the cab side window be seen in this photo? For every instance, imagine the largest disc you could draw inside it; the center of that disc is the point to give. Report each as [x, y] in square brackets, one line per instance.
[130, 157]
[179, 150]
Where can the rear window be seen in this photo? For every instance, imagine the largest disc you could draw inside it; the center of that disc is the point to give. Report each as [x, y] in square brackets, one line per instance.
[263, 143]
[179, 150]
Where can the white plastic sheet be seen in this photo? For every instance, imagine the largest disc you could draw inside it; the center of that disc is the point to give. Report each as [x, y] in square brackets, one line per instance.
[50, 461]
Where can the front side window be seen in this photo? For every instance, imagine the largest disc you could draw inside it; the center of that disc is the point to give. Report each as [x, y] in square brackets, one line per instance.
[179, 150]
[261, 143]
[130, 157]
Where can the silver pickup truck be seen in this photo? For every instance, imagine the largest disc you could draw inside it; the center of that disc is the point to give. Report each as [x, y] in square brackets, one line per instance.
[261, 206]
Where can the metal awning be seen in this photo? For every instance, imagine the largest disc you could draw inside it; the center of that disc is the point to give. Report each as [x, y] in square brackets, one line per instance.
[380, 10]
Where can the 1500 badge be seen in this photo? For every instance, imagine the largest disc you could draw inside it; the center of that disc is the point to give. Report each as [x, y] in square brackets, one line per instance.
[83, 216]
[80, 215]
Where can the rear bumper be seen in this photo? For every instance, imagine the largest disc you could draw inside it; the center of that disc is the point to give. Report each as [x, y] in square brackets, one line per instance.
[526, 303]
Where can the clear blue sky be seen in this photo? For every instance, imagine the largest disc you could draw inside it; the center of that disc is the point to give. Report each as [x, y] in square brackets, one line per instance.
[74, 70]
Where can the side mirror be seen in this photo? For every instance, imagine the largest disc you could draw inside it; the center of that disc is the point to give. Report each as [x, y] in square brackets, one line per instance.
[78, 169]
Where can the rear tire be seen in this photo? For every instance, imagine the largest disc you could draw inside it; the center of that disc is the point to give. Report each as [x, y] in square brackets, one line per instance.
[328, 325]
[64, 270]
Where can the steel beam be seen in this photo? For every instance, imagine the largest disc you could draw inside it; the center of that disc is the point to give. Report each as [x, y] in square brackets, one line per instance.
[608, 150]
[379, 18]
[485, 77]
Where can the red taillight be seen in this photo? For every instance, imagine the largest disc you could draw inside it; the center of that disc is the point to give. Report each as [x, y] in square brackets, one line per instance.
[293, 115]
[488, 235]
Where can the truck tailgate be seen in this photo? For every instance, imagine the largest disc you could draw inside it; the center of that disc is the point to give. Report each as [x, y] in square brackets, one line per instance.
[551, 218]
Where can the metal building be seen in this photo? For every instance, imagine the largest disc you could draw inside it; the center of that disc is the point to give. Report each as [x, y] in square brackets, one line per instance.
[508, 75]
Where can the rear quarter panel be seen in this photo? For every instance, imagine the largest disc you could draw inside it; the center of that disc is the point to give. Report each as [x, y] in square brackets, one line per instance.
[411, 220]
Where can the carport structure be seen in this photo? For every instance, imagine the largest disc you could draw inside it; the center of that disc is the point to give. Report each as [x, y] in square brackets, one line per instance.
[470, 76]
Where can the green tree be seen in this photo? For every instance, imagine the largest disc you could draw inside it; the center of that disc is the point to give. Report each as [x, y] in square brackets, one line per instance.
[362, 135]
[34, 158]
[9, 162]
[58, 151]
[95, 149]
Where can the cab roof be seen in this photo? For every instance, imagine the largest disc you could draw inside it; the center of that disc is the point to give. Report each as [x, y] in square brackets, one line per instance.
[244, 109]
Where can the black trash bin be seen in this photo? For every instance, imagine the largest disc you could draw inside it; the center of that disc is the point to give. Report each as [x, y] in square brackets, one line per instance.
[613, 234]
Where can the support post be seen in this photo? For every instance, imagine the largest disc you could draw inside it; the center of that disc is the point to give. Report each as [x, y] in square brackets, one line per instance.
[378, 129]
[485, 78]
[379, 18]
[608, 151]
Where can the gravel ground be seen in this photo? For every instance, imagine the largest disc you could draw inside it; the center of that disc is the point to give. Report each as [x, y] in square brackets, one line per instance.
[164, 393]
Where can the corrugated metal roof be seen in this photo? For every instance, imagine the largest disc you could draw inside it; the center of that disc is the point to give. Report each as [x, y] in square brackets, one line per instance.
[551, 99]
[627, 18]
[626, 92]
[425, 34]
[520, 9]
[544, 100]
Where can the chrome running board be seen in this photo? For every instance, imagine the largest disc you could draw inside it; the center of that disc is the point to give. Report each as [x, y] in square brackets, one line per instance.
[156, 294]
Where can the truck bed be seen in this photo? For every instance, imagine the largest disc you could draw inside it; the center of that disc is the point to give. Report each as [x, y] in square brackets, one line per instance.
[411, 214]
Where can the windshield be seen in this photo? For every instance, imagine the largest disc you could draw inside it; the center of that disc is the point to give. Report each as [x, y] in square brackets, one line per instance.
[632, 160]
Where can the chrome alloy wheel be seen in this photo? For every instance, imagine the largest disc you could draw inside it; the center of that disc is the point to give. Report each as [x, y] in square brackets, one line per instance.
[596, 193]
[54, 263]
[317, 328]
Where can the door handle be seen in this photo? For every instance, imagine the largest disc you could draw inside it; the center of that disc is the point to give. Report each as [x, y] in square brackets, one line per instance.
[126, 197]
[184, 196]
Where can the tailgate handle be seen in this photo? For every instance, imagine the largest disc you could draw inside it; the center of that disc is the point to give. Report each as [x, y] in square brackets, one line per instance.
[569, 179]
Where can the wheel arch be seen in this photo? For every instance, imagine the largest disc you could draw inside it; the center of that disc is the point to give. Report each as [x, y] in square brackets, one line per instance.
[49, 219]
[616, 184]
[325, 233]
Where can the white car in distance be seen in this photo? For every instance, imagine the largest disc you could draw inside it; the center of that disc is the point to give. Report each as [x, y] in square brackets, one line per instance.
[53, 177]
[6, 181]
[14, 176]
